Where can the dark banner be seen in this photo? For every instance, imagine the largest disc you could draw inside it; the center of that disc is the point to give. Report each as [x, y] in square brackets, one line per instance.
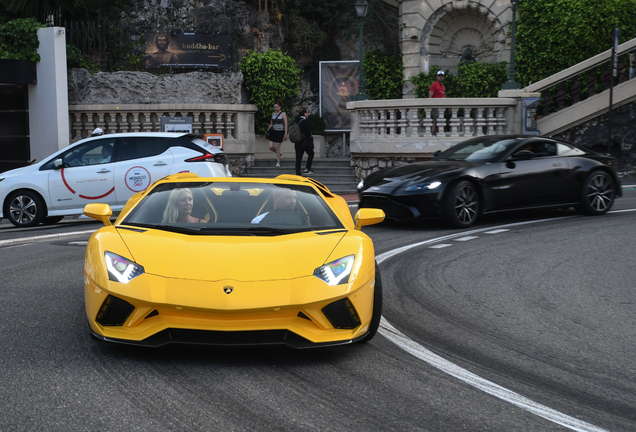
[187, 50]
[338, 83]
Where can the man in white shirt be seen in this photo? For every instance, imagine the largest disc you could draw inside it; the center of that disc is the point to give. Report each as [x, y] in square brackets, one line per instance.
[283, 199]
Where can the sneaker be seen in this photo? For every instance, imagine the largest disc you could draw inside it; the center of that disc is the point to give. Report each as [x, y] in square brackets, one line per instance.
[309, 172]
[278, 165]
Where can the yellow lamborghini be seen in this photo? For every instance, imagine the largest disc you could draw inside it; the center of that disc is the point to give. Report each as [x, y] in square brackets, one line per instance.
[233, 261]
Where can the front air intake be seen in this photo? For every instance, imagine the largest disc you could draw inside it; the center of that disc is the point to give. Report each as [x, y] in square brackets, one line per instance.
[341, 314]
[114, 311]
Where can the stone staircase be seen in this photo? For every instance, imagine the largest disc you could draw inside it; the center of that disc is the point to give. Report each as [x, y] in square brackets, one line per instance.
[335, 173]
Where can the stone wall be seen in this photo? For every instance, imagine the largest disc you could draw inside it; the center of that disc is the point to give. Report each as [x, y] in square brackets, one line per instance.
[594, 133]
[146, 88]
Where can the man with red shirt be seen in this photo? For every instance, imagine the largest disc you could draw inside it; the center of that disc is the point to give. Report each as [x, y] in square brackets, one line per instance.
[436, 90]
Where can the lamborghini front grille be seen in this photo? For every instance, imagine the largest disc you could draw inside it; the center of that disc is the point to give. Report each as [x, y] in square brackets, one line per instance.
[341, 314]
[114, 311]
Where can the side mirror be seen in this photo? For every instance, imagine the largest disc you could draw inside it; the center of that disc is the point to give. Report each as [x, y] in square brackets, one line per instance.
[58, 163]
[100, 212]
[368, 216]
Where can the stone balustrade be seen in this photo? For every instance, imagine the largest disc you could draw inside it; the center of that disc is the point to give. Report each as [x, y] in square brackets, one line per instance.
[234, 121]
[387, 132]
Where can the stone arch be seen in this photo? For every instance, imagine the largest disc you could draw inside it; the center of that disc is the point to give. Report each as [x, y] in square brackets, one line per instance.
[453, 29]
[436, 32]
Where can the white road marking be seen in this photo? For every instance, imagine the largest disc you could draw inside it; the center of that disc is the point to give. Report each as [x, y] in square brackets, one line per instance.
[498, 231]
[466, 238]
[439, 246]
[412, 347]
[79, 243]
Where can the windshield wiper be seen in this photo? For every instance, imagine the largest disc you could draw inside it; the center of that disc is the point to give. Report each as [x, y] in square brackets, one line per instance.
[249, 231]
[169, 228]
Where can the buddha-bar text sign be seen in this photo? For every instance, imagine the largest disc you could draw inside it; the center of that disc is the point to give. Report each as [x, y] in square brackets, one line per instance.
[187, 50]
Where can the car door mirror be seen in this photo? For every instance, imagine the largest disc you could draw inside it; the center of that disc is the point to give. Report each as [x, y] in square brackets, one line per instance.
[523, 154]
[368, 216]
[100, 212]
[58, 163]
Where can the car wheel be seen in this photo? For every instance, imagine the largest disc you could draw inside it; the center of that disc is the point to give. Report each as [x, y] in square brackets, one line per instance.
[25, 209]
[52, 220]
[377, 307]
[598, 193]
[460, 205]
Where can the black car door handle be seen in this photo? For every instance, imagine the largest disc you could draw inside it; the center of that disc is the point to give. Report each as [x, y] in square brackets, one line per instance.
[556, 164]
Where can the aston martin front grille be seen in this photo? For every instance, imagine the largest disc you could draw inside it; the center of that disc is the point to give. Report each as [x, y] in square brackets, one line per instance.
[114, 311]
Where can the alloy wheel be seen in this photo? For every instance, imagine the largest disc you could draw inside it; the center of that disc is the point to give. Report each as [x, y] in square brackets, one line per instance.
[600, 192]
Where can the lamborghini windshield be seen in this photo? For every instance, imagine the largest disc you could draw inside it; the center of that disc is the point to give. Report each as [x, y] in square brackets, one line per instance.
[233, 208]
[486, 149]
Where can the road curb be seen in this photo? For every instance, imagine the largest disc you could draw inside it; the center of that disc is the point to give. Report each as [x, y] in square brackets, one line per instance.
[48, 237]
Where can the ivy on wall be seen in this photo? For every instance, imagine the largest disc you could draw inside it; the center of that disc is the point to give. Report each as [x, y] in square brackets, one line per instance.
[268, 77]
[19, 39]
[553, 35]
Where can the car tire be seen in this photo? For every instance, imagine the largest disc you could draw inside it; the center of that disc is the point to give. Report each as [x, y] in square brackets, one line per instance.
[377, 307]
[25, 209]
[597, 194]
[460, 205]
[52, 220]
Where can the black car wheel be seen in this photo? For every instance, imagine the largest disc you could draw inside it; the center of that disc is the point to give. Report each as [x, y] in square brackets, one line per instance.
[377, 306]
[460, 206]
[25, 209]
[598, 193]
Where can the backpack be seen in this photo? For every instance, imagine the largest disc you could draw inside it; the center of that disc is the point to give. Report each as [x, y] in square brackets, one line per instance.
[295, 135]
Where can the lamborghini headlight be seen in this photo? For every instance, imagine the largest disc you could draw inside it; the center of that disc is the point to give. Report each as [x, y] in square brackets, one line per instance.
[422, 186]
[121, 269]
[336, 272]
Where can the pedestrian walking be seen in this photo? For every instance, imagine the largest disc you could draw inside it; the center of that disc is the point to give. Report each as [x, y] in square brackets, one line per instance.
[306, 145]
[277, 131]
[437, 90]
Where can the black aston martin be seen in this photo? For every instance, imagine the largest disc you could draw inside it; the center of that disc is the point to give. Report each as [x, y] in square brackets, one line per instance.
[491, 174]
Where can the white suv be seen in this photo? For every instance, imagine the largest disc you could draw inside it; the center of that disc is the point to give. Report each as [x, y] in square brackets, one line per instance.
[106, 169]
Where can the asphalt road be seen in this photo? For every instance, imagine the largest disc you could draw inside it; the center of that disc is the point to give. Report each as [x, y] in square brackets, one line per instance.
[520, 324]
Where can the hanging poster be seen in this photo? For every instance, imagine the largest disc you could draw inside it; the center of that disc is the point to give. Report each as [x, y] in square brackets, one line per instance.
[187, 50]
[338, 83]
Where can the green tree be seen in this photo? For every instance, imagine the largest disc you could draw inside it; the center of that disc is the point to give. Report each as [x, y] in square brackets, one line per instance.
[268, 77]
[383, 75]
[553, 35]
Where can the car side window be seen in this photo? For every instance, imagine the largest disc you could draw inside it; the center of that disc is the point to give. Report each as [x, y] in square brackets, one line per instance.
[91, 153]
[141, 147]
[566, 150]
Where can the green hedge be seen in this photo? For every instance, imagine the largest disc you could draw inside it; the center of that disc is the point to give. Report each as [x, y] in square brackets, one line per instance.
[383, 75]
[268, 77]
[553, 35]
[471, 81]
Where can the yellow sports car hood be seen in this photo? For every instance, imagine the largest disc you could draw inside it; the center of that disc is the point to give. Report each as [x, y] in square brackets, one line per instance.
[241, 258]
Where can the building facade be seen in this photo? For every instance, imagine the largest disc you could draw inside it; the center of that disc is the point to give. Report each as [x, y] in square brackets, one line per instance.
[439, 33]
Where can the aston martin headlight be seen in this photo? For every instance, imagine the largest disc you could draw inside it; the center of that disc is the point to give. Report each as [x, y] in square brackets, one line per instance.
[361, 184]
[422, 186]
[121, 269]
[336, 272]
